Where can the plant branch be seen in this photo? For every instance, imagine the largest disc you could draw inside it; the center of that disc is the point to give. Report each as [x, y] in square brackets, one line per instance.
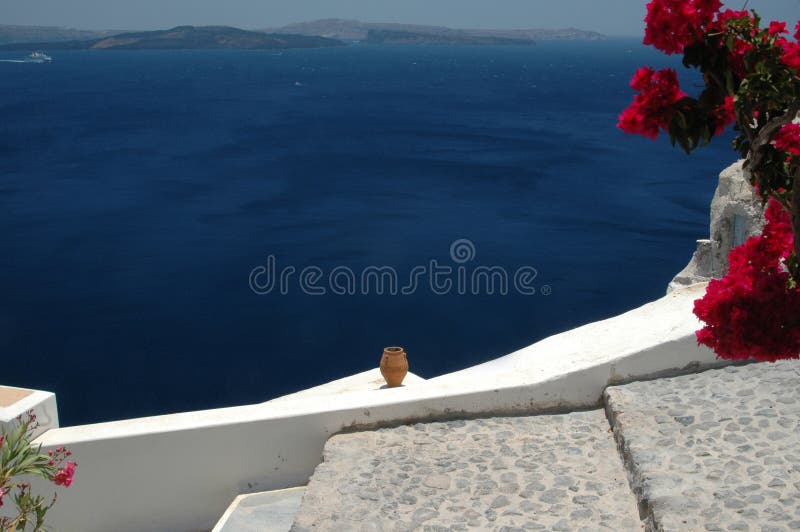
[765, 135]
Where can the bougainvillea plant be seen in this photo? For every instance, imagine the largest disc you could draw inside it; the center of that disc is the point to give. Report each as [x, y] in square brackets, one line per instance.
[751, 79]
[19, 461]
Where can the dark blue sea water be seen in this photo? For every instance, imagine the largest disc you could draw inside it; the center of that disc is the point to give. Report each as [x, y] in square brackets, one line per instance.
[138, 190]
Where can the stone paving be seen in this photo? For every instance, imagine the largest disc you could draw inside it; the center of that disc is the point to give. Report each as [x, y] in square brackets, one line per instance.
[553, 472]
[718, 450]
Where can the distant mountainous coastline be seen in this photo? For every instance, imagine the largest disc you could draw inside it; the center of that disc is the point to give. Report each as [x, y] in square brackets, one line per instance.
[407, 37]
[26, 34]
[185, 38]
[354, 30]
[317, 34]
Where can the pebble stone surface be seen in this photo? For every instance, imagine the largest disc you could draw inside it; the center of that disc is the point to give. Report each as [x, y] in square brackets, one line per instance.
[718, 450]
[549, 472]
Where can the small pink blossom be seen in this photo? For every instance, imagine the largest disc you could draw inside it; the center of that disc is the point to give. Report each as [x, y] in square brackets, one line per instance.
[653, 108]
[65, 474]
[777, 27]
[788, 139]
[724, 115]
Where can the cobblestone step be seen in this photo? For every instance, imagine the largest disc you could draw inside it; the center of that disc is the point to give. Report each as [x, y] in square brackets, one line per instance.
[549, 472]
[718, 450]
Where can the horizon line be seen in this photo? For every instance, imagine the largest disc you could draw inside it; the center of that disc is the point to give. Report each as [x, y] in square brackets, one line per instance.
[265, 28]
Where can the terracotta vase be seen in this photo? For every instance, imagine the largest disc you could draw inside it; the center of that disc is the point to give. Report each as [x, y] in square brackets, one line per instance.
[394, 366]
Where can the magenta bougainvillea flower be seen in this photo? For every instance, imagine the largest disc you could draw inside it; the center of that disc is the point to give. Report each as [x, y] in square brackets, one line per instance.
[788, 139]
[751, 77]
[671, 25]
[750, 313]
[653, 107]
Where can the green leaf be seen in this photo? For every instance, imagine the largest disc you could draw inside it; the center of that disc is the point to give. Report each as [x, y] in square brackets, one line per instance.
[684, 145]
[681, 119]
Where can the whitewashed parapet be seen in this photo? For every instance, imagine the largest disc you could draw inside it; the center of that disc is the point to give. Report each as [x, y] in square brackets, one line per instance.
[16, 402]
[180, 472]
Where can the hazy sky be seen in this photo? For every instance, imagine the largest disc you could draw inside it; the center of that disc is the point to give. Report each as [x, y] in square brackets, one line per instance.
[612, 17]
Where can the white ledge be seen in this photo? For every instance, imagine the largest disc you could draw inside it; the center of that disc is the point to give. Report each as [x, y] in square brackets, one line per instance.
[16, 402]
[184, 469]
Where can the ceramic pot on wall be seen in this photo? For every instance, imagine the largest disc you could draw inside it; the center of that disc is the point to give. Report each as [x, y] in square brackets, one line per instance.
[394, 366]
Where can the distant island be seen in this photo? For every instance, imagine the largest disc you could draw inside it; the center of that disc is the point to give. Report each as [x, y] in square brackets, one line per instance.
[355, 30]
[10, 34]
[185, 38]
[317, 34]
[408, 37]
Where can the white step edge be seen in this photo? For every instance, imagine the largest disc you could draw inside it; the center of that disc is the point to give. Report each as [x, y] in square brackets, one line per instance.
[279, 508]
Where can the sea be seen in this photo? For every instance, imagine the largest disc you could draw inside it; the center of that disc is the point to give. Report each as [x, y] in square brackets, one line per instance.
[184, 230]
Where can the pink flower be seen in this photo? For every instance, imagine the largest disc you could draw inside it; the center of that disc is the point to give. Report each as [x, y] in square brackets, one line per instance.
[777, 27]
[641, 78]
[65, 474]
[3, 492]
[748, 313]
[724, 115]
[671, 25]
[652, 109]
[788, 139]
[728, 15]
[790, 52]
